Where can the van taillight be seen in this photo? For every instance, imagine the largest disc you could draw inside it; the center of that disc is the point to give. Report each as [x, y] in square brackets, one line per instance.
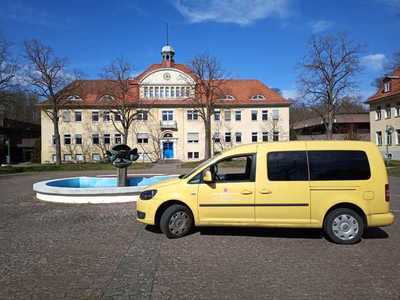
[387, 193]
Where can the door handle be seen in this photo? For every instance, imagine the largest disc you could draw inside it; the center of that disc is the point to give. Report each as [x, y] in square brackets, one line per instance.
[265, 191]
[246, 192]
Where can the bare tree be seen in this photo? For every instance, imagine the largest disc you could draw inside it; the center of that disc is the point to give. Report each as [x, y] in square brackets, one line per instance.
[122, 104]
[327, 75]
[209, 81]
[50, 80]
[8, 66]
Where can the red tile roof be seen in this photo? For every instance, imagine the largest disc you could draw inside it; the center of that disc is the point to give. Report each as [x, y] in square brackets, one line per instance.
[91, 92]
[394, 87]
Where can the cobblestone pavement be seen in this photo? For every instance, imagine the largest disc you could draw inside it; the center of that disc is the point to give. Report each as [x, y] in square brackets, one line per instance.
[52, 251]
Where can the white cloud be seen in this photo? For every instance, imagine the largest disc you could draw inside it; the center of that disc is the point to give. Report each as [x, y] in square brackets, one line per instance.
[242, 12]
[290, 94]
[374, 62]
[320, 26]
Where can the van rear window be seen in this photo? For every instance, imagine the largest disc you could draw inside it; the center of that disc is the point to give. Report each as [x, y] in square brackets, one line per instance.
[338, 165]
[287, 166]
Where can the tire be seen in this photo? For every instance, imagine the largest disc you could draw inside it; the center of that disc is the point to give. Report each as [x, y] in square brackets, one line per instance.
[176, 221]
[344, 226]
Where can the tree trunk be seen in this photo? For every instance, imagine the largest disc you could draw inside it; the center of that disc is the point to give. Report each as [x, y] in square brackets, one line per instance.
[207, 129]
[329, 127]
[57, 137]
[125, 137]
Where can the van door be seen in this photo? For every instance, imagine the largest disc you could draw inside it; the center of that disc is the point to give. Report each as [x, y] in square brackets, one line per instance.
[282, 190]
[229, 199]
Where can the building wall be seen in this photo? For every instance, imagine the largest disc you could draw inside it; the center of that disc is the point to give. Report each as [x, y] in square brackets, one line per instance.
[153, 149]
[381, 125]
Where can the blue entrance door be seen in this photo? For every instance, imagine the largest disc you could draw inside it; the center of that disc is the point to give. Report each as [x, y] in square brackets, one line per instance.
[168, 150]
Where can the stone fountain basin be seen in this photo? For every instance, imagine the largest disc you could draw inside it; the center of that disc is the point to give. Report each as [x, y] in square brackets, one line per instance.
[94, 189]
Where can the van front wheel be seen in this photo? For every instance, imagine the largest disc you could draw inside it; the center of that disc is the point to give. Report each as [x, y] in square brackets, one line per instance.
[344, 226]
[176, 221]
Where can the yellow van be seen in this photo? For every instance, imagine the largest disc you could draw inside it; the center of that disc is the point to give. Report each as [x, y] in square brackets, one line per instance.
[340, 186]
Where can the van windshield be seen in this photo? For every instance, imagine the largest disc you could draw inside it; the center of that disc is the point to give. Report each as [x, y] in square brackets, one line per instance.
[200, 166]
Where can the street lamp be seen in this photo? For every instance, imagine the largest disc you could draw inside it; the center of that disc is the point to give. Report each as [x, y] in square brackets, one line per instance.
[389, 130]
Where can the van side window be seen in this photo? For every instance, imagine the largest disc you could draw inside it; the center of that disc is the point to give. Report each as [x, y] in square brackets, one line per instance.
[338, 165]
[287, 166]
[234, 169]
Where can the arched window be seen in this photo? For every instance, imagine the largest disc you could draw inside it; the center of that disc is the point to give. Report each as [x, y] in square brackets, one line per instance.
[74, 98]
[258, 97]
[107, 98]
[227, 97]
[167, 135]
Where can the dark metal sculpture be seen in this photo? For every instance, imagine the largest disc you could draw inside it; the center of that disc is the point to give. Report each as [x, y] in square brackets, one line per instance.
[122, 156]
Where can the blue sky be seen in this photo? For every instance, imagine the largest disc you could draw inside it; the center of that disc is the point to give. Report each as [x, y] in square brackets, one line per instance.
[252, 38]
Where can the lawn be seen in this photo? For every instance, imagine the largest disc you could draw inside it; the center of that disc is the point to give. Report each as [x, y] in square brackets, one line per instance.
[67, 167]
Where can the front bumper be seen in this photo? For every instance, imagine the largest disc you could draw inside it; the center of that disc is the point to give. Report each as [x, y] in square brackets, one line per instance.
[146, 211]
[377, 220]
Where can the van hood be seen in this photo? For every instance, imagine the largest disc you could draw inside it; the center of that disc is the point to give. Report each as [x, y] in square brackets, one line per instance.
[163, 183]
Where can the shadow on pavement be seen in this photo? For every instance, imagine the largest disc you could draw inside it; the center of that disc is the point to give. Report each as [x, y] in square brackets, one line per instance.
[299, 233]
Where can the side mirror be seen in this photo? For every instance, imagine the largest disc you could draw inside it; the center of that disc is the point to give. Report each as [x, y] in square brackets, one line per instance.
[207, 177]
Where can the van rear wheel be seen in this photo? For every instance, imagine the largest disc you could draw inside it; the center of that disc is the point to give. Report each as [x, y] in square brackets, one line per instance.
[176, 221]
[344, 226]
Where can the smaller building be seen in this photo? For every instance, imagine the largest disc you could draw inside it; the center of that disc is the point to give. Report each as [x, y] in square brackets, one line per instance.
[385, 115]
[349, 126]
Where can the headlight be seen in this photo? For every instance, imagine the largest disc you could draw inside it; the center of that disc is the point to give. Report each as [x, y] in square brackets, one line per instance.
[147, 195]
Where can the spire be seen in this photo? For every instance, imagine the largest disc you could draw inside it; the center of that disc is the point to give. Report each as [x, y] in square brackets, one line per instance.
[167, 52]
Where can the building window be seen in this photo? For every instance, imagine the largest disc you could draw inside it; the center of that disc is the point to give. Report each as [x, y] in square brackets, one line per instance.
[95, 116]
[178, 92]
[192, 115]
[117, 138]
[254, 137]
[398, 136]
[67, 139]
[193, 155]
[379, 138]
[53, 158]
[106, 116]
[388, 111]
[258, 97]
[79, 157]
[275, 137]
[227, 97]
[238, 115]
[167, 115]
[216, 137]
[217, 115]
[142, 138]
[386, 86]
[146, 92]
[78, 116]
[166, 92]
[142, 115]
[78, 139]
[117, 117]
[265, 136]
[151, 92]
[187, 91]
[95, 139]
[161, 92]
[397, 110]
[67, 157]
[254, 115]
[66, 116]
[238, 137]
[389, 138]
[96, 157]
[378, 113]
[156, 94]
[182, 91]
[228, 137]
[193, 137]
[172, 92]
[264, 114]
[106, 139]
[227, 115]
[275, 114]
